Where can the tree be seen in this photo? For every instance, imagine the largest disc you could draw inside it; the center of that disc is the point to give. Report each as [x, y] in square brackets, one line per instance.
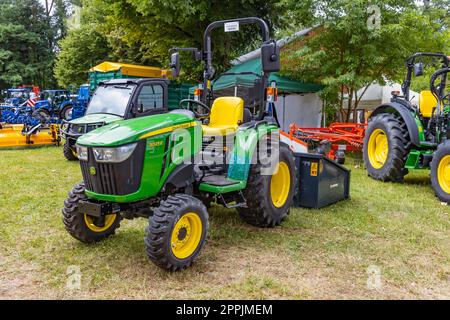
[142, 31]
[359, 42]
[27, 46]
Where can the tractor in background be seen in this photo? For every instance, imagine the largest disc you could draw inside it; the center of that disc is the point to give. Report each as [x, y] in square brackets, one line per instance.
[169, 166]
[107, 78]
[401, 136]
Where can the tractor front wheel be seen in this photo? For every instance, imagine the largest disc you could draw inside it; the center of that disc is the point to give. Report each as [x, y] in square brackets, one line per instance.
[440, 172]
[69, 151]
[81, 225]
[177, 232]
[269, 196]
[386, 147]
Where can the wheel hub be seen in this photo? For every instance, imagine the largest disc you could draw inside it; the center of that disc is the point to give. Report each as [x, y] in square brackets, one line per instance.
[378, 148]
[280, 185]
[186, 235]
[444, 174]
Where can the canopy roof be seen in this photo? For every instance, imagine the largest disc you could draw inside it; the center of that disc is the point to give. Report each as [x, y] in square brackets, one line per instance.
[129, 69]
[248, 80]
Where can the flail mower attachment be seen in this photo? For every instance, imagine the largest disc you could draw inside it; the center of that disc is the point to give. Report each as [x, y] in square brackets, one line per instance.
[19, 135]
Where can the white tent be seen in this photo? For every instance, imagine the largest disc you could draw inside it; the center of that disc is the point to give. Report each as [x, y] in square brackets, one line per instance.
[377, 94]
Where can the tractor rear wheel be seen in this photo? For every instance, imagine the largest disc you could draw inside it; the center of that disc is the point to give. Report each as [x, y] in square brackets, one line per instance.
[269, 197]
[177, 232]
[69, 151]
[386, 148]
[440, 172]
[81, 225]
[66, 112]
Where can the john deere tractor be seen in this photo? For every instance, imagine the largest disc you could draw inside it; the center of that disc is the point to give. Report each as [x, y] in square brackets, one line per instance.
[402, 136]
[169, 167]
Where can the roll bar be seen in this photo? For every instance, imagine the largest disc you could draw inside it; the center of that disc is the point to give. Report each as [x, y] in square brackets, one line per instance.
[410, 64]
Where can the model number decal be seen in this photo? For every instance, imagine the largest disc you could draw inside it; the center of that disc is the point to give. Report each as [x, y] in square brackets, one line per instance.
[155, 143]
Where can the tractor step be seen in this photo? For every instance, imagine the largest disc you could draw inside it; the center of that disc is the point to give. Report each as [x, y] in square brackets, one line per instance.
[221, 184]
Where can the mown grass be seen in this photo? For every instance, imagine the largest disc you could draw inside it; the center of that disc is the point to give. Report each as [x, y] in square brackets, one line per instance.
[401, 231]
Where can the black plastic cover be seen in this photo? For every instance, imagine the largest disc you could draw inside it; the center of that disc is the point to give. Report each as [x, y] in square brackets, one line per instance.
[321, 181]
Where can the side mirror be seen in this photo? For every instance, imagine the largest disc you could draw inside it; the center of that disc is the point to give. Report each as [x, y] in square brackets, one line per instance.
[270, 57]
[175, 64]
[418, 69]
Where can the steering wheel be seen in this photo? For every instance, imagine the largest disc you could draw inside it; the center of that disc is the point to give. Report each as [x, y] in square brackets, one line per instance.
[194, 105]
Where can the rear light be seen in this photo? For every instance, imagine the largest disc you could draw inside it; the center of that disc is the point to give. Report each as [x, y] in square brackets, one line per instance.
[197, 94]
[272, 94]
[395, 93]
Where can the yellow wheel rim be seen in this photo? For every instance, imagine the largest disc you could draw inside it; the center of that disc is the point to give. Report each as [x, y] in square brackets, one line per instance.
[186, 235]
[443, 174]
[280, 185]
[109, 221]
[378, 148]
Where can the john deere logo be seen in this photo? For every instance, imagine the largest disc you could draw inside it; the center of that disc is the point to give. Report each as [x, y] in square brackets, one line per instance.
[92, 171]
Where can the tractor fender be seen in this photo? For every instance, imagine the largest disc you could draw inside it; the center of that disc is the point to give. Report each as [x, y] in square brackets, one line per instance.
[181, 177]
[405, 113]
[246, 142]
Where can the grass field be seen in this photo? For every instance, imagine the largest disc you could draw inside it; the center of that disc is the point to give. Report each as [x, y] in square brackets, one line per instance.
[388, 241]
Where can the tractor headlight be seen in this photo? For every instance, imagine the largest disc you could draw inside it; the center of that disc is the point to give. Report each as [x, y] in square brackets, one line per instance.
[82, 153]
[114, 155]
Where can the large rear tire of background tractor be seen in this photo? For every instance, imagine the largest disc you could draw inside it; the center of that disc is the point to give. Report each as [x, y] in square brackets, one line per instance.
[386, 148]
[440, 172]
[69, 151]
[269, 197]
[66, 112]
[177, 232]
[82, 226]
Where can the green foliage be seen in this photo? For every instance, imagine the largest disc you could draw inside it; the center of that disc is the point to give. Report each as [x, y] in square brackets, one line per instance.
[142, 31]
[347, 53]
[28, 35]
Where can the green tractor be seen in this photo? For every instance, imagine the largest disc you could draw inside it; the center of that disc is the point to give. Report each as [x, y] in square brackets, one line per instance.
[169, 167]
[402, 136]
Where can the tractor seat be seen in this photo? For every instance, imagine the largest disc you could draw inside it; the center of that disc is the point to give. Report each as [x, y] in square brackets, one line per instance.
[227, 114]
[427, 103]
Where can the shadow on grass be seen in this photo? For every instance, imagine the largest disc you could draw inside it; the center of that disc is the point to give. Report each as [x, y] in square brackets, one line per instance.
[418, 181]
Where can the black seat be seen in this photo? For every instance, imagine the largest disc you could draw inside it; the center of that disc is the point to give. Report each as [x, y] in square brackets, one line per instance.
[247, 116]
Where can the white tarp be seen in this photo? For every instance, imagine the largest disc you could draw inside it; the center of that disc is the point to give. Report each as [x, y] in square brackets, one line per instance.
[305, 110]
[377, 94]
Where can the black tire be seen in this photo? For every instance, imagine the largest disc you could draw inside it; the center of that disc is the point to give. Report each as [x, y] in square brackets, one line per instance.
[261, 211]
[398, 147]
[69, 152]
[158, 240]
[63, 114]
[76, 222]
[443, 152]
[42, 114]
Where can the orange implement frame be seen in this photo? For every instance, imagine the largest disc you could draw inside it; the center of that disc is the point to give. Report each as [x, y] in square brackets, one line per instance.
[342, 136]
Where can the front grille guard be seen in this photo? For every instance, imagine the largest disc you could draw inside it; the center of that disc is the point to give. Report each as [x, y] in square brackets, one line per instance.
[87, 127]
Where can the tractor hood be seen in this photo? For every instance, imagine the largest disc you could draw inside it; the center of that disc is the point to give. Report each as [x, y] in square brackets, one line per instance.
[96, 118]
[128, 131]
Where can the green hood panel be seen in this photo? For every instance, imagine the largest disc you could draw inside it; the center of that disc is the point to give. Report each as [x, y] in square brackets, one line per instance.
[128, 131]
[97, 117]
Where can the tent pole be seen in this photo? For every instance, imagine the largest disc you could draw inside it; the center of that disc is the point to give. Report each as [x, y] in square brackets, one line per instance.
[284, 111]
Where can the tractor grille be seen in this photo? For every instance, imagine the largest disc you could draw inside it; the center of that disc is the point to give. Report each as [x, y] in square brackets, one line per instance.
[114, 178]
[80, 129]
